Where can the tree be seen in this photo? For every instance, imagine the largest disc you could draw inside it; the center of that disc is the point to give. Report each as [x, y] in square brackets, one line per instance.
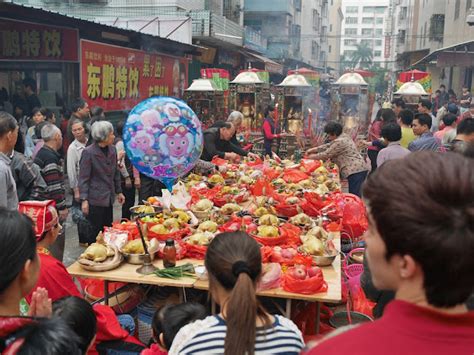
[346, 64]
[363, 56]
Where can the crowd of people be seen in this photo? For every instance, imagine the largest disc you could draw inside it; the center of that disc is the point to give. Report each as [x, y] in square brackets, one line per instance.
[419, 193]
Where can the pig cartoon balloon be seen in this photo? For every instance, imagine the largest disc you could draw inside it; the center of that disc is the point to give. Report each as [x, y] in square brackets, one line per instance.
[163, 138]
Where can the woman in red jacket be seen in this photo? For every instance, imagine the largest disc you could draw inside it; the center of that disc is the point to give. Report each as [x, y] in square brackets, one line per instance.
[53, 275]
[270, 130]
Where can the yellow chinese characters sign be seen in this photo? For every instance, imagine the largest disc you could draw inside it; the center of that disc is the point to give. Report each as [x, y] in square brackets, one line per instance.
[118, 78]
[35, 42]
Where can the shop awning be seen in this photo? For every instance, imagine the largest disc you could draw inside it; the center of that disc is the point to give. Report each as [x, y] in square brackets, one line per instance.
[270, 65]
[460, 54]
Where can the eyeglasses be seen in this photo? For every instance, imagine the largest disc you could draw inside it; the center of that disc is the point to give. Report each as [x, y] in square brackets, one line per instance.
[172, 130]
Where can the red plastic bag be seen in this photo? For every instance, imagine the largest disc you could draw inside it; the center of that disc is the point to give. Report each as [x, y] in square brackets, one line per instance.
[294, 176]
[293, 234]
[285, 210]
[309, 286]
[281, 239]
[266, 252]
[309, 165]
[354, 217]
[129, 226]
[262, 188]
[163, 237]
[361, 304]
[271, 174]
[196, 251]
[218, 161]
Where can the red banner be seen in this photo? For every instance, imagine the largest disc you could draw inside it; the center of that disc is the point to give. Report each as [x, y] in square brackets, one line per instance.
[118, 78]
[29, 41]
[387, 47]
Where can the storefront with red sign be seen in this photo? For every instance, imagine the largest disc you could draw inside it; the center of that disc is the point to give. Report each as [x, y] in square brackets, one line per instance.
[117, 78]
[47, 54]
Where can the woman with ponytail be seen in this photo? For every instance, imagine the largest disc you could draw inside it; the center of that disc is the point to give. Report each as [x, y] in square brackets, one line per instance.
[234, 265]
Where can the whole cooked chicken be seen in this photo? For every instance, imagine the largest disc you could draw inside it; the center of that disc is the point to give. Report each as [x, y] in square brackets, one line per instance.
[312, 245]
[301, 219]
[230, 208]
[268, 231]
[268, 220]
[134, 247]
[97, 252]
[208, 226]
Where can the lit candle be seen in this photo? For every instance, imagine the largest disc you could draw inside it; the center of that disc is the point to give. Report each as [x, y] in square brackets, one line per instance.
[310, 122]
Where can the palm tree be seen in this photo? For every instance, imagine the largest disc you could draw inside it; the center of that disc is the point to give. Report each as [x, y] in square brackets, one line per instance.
[363, 55]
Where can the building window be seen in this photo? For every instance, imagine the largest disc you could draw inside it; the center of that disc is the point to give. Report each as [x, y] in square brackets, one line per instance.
[351, 20]
[366, 42]
[379, 20]
[350, 31]
[316, 19]
[352, 9]
[378, 32]
[468, 5]
[377, 53]
[314, 49]
[401, 36]
[436, 27]
[330, 48]
[350, 42]
[367, 32]
[367, 20]
[297, 5]
[378, 42]
[348, 54]
[374, 9]
[457, 7]
[330, 28]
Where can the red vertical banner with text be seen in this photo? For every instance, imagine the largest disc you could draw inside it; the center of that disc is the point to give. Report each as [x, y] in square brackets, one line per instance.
[387, 47]
[117, 78]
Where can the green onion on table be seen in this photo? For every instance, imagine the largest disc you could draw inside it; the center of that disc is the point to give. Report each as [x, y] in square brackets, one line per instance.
[185, 270]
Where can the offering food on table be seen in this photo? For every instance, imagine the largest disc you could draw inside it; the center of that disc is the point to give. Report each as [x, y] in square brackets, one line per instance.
[172, 224]
[233, 190]
[318, 232]
[159, 229]
[279, 182]
[182, 217]
[307, 184]
[144, 209]
[293, 200]
[259, 212]
[301, 219]
[268, 231]
[202, 239]
[246, 180]
[208, 226]
[216, 179]
[203, 205]
[230, 208]
[311, 245]
[269, 220]
[97, 252]
[195, 177]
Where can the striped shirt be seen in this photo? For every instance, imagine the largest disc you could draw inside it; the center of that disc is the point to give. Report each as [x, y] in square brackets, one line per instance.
[425, 142]
[207, 336]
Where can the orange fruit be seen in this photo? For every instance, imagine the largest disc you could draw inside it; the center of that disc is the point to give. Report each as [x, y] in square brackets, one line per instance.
[151, 200]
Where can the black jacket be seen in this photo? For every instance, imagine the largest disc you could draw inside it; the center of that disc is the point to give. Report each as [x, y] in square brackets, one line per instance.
[215, 146]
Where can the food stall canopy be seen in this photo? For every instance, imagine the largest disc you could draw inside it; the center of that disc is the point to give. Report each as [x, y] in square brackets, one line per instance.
[294, 80]
[351, 79]
[247, 77]
[411, 88]
[203, 84]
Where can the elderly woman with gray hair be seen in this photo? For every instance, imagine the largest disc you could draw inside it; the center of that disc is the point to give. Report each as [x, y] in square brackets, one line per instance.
[99, 178]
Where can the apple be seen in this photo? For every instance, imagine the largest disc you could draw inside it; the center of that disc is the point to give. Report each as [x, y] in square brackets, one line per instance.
[313, 271]
[286, 254]
[298, 273]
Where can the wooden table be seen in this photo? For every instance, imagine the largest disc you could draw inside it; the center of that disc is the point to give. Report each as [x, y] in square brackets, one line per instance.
[332, 275]
[127, 273]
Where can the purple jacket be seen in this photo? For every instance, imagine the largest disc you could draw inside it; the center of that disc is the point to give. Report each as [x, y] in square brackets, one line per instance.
[99, 176]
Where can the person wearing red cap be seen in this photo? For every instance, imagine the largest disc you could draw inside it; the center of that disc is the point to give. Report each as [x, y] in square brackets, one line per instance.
[55, 278]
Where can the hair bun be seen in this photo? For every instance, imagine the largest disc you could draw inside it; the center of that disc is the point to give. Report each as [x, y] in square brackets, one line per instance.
[239, 267]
